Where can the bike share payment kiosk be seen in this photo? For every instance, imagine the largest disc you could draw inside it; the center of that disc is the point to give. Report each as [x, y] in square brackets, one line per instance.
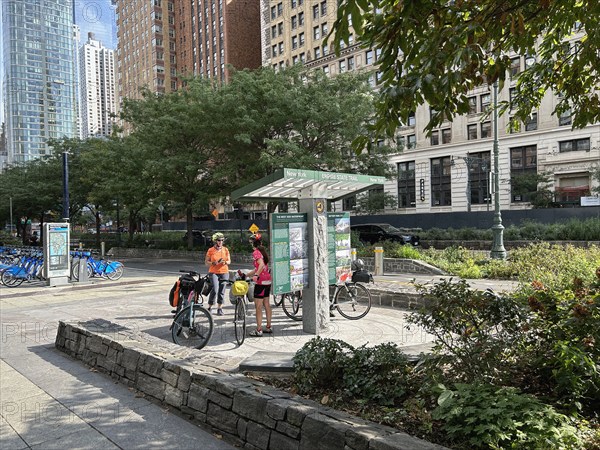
[310, 250]
[56, 253]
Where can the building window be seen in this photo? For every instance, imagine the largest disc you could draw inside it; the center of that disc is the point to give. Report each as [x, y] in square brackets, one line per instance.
[301, 39]
[512, 93]
[317, 32]
[446, 135]
[294, 42]
[472, 105]
[326, 70]
[324, 29]
[515, 66]
[486, 130]
[349, 203]
[529, 61]
[281, 48]
[273, 31]
[485, 102]
[406, 185]
[342, 65]
[351, 63]
[411, 141]
[301, 18]
[280, 28]
[412, 121]
[279, 9]
[317, 51]
[315, 12]
[479, 170]
[565, 118]
[273, 12]
[523, 168]
[294, 22]
[441, 184]
[369, 57]
[471, 132]
[294, 3]
[574, 145]
[274, 51]
[532, 122]
[435, 137]
[323, 9]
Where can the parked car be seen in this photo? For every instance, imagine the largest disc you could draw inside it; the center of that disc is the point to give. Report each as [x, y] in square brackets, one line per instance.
[200, 237]
[376, 232]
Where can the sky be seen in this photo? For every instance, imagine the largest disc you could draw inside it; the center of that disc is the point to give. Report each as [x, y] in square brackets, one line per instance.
[97, 16]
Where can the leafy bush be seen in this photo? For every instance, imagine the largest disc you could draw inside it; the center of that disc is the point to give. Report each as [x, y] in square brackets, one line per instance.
[475, 332]
[320, 363]
[555, 266]
[398, 250]
[381, 374]
[486, 416]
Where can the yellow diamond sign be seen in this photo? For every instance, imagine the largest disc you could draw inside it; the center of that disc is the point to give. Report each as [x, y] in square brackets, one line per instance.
[253, 228]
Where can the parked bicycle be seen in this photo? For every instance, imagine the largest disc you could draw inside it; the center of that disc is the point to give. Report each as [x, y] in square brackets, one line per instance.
[96, 267]
[193, 324]
[28, 267]
[239, 297]
[352, 299]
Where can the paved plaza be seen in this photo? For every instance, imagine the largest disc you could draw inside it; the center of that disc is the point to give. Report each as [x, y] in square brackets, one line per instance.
[49, 400]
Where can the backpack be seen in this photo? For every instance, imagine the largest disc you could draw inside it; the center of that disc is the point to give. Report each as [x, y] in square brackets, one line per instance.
[174, 294]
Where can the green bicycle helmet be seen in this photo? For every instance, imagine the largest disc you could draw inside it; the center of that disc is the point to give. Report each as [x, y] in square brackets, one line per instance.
[217, 236]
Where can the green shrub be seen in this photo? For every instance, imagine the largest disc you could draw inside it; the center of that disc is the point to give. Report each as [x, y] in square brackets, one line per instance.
[476, 333]
[398, 250]
[320, 363]
[486, 416]
[378, 375]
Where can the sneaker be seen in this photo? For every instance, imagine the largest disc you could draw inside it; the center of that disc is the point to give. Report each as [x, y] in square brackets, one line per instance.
[219, 312]
[268, 330]
[256, 333]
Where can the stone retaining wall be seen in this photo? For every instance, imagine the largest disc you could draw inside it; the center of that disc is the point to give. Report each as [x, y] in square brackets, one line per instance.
[246, 412]
[390, 265]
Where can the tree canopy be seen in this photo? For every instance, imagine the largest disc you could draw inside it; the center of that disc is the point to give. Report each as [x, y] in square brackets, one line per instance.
[436, 51]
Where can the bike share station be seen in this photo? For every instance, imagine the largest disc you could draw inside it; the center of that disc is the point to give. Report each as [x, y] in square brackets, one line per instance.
[56, 253]
[310, 250]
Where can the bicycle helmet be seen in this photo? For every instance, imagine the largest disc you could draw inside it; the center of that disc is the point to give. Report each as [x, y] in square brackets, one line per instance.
[256, 237]
[357, 264]
[217, 236]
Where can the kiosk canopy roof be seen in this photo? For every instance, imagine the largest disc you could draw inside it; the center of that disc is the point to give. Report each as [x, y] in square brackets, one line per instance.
[286, 184]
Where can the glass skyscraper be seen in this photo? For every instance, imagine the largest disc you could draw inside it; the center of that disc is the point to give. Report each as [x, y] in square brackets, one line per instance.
[39, 76]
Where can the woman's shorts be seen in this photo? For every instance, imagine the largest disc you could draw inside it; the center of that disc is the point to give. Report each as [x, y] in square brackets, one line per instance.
[262, 290]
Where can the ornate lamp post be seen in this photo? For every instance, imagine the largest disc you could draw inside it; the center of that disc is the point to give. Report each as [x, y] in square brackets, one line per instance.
[498, 251]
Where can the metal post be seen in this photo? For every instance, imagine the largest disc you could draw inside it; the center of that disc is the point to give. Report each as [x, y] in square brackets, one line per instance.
[498, 251]
[65, 186]
[378, 260]
[118, 223]
[12, 224]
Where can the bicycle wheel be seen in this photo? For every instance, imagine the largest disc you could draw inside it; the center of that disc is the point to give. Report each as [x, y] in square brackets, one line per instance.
[292, 305]
[239, 320]
[8, 279]
[116, 272]
[75, 271]
[194, 331]
[353, 301]
[278, 300]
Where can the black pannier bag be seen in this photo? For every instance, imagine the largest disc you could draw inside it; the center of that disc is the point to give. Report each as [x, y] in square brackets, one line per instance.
[361, 276]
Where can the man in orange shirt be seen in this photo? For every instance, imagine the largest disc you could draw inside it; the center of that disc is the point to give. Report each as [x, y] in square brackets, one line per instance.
[218, 260]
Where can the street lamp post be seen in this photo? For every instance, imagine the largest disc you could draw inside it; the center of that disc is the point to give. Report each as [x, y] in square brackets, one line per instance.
[65, 186]
[498, 251]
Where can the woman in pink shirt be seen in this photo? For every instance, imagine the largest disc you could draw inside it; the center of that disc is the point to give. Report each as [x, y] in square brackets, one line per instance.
[261, 275]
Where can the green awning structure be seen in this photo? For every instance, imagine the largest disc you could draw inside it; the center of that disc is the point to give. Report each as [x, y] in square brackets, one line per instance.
[286, 184]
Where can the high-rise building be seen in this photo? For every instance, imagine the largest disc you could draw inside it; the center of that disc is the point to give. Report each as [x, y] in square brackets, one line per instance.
[39, 78]
[98, 102]
[449, 170]
[159, 41]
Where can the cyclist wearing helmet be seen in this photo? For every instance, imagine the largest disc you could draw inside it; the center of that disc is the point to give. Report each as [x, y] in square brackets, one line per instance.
[218, 260]
[262, 289]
